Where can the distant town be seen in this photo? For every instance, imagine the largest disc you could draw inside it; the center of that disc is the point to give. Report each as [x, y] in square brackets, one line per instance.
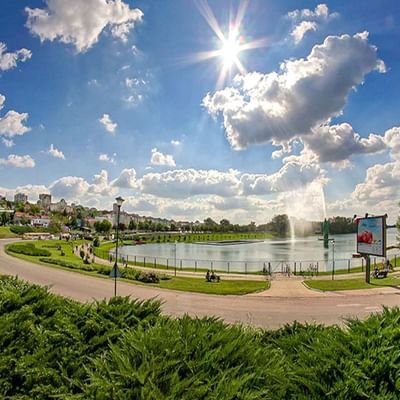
[60, 216]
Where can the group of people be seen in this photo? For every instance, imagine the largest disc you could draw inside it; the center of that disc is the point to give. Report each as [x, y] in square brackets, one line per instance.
[212, 277]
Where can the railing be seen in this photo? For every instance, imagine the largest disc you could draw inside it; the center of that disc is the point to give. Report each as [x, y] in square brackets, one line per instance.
[303, 267]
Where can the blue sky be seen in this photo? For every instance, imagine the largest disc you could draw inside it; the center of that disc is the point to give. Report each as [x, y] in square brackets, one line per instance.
[100, 98]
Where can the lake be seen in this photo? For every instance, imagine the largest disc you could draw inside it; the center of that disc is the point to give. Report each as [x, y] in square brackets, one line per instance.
[252, 257]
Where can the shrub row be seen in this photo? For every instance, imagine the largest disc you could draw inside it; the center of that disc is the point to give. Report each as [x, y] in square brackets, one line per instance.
[28, 249]
[68, 264]
[122, 349]
[127, 273]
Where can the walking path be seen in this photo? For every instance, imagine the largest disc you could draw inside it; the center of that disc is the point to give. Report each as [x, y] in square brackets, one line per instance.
[270, 309]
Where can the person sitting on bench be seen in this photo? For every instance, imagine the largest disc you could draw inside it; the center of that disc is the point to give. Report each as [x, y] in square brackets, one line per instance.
[380, 273]
[212, 277]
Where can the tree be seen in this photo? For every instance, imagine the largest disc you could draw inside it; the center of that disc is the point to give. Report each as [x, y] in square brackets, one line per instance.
[4, 218]
[132, 225]
[280, 225]
[103, 226]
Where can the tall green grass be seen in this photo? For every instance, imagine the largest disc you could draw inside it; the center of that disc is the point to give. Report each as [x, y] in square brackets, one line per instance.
[53, 348]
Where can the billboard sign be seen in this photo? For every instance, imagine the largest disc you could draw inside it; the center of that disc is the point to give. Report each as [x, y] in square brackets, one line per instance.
[371, 236]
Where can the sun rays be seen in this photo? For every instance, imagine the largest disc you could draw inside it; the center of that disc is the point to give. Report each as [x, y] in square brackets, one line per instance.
[230, 45]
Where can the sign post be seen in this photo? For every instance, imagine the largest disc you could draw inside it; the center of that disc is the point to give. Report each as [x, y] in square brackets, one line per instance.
[371, 240]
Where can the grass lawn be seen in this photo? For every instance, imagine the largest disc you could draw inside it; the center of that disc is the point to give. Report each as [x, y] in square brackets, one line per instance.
[223, 287]
[198, 285]
[6, 233]
[349, 284]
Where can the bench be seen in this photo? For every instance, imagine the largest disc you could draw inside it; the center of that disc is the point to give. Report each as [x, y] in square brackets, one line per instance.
[382, 273]
[213, 278]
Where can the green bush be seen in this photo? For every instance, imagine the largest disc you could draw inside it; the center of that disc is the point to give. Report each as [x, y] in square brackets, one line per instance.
[28, 249]
[121, 349]
[20, 229]
[68, 264]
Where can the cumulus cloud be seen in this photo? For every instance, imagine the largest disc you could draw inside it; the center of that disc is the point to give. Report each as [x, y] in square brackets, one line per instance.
[305, 93]
[381, 183]
[76, 188]
[108, 124]
[308, 20]
[190, 182]
[12, 123]
[55, 152]
[17, 161]
[158, 158]
[321, 11]
[8, 142]
[392, 140]
[10, 60]
[176, 142]
[80, 22]
[335, 143]
[301, 29]
[107, 158]
[127, 179]
[296, 172]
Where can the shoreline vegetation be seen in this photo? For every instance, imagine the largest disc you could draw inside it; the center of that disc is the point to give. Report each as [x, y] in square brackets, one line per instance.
[60, 254]
[53, 347]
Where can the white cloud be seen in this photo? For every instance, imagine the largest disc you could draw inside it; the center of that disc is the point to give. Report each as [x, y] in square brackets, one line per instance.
[76, 188]
[335, 143]
[382, 182]
[108, 124]
[392, 140]
[16, 161]
[158, 158]
[136, 89]
[55, 152]
[296, 172]
[9, 60]
[176, 142]
[80, 22]
[278, 107]
[321, 11]
[301, 29]
[12, 124]
[308, 20]
[190, 182]
[8, 142]
[107, 158]
[127, 179]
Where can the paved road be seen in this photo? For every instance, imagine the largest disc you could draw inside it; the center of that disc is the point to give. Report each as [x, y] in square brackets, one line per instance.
[261, 309]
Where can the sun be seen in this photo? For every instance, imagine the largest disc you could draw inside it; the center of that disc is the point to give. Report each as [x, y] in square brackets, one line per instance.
[230, 44]
[230, 50]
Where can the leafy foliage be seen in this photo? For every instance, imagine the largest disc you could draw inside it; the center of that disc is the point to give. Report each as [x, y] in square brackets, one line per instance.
[121, 349]
[28, 249]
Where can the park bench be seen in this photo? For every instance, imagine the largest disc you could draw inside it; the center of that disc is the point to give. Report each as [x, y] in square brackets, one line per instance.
[381, 273]
[213, 278]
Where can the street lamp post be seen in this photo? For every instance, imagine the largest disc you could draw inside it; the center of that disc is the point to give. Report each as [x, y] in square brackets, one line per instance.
[119, 200]
[333, 258]
[175, 257]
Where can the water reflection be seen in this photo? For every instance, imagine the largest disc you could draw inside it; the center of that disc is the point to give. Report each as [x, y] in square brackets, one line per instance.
[253, 256]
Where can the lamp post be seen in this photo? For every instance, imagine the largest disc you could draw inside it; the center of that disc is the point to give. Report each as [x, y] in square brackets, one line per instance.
[115, 272]
[175, 257]
[333, 258]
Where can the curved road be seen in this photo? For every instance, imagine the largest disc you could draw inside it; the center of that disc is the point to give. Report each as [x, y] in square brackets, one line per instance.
[270, 309]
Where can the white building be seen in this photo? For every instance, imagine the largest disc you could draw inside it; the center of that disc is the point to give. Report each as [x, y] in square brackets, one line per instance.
[41, 221]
